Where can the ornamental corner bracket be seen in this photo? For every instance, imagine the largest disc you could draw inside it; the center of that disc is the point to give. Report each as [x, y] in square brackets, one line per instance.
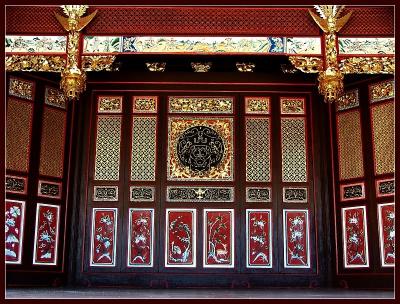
[330, 70]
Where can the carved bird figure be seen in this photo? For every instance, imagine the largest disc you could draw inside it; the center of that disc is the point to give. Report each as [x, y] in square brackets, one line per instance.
[329, 20]
[75, 21]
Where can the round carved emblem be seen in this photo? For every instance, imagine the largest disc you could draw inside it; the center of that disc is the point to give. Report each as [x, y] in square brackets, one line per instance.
[200, 148]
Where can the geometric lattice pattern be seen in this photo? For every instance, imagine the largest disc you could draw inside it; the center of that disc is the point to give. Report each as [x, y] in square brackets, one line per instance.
[143, 158]
[383, 137]
[257, 150]
[294, 156]
[108, 148]
[52, 142]
[18, 129]
[349, 145]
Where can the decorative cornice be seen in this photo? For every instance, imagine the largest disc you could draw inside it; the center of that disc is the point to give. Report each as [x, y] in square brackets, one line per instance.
[35, 63]
[367, 65]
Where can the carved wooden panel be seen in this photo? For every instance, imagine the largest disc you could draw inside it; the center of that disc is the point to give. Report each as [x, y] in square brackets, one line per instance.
[180, 238]
[355, 237]
[16, 184]
[109, 104]
[349, 100]
[295, 195]
[21, 88]
[14, 231]
[381, 91]
[144, 104]
[386, 220]
[54, 97]
[350, 150]
[54, 123]
[258, 194]
[258, 150]
[296, 238]
[208, 105]
[49, 189]
[108, 148]
[292, 105]
[258, 238]
[18, 134]
[143, 156]
[218, 241]
[210, 156]
[257, 105]
[103, 237]
[382, 116]
[352, 191]
[141, 237]
[200, 194]
[142, 194]
[384, 187]
[105, 193]
[46, 234]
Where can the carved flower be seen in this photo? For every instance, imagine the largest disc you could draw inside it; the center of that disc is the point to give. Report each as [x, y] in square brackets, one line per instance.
[15, 211]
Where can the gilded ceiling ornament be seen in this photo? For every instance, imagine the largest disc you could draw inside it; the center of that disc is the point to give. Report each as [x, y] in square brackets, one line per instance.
[331, 78]
[367, 65]
[99, 63]
[307, 64]
[156, 66]
[73, 78]
[245, 67]
[201, 66]
[35, 63]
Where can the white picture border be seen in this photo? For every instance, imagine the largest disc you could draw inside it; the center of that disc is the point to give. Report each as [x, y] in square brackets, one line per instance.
[92, 263]
[194, 237]
[285, 257]
[381, 240]
[128, 262]
[248, 211]
[34, 262]
[21, 234]
[232, 247]
[344, 237]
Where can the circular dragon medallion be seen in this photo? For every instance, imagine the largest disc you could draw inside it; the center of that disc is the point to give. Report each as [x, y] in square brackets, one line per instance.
[200, 148]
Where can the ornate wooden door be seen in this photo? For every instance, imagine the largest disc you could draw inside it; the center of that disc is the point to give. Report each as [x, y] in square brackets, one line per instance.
[199, 189]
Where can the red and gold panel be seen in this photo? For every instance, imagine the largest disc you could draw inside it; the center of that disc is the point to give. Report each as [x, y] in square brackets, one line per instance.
[104, 237]
[144, 104]
[18, 134]
[218, 242]
[258, 238]
[180, 239]
[350, 150]
[52, 142]
[46, 234]
[355, 237]
[386, 218]
[381, 91]
[382, 116]
[200, 148]
[296, 238]
[141, 237]
[14, 231]
[109, 104]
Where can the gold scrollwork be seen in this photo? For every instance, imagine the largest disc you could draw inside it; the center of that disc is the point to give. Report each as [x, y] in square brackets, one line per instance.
[367, 65]
[35, 63]
[307, 64]
[156, 66]
[245, 67]
[201, 66]
[98, 63]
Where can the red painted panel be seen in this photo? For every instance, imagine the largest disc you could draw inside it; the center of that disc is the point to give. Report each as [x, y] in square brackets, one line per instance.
[180, 240]
[46, 234]
[296, 239]
[104, 238]
[355, 238]
[258, 238]
[14, 231]
[387, 241]
[218, 238]
[141, 237]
